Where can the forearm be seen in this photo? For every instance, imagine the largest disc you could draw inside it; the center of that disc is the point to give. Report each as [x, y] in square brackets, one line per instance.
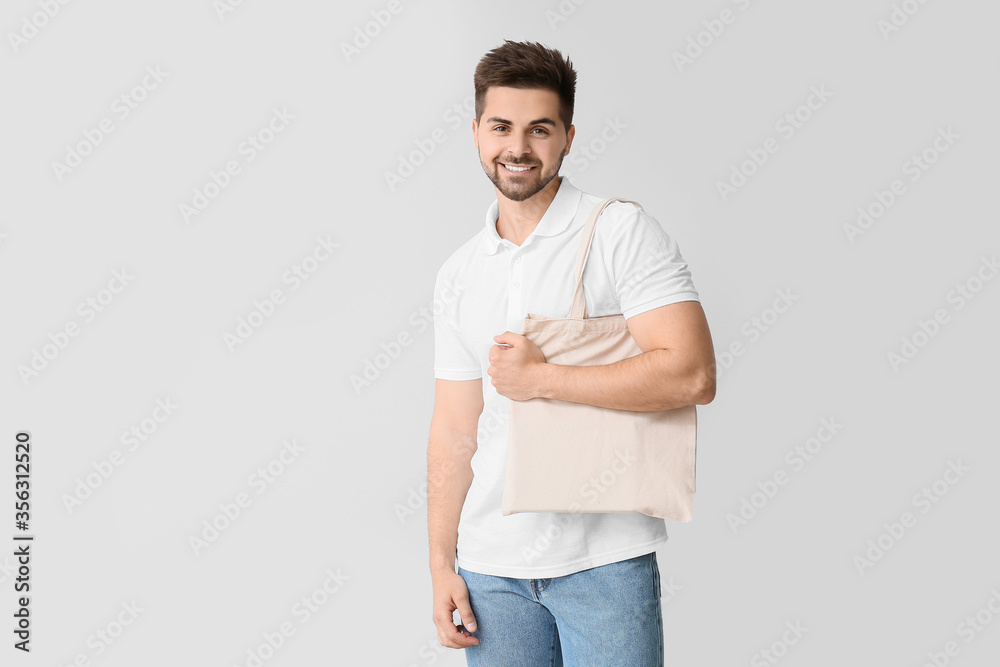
[654, 380]
[449, 476]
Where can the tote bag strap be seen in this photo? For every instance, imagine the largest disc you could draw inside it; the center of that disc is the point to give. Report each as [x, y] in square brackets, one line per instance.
[579, 308]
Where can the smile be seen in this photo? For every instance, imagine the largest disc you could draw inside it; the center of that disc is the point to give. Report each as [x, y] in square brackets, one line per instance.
[514, 169]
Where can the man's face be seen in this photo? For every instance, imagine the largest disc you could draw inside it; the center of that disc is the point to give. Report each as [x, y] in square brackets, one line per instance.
[521, 128]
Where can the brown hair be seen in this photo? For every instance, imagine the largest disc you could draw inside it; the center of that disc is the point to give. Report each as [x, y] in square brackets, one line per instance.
[527, 65]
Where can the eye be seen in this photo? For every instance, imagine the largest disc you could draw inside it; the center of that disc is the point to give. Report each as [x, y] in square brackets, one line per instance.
[501, 128]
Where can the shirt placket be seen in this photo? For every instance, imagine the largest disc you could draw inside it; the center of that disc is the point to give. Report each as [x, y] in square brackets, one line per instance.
[515, 289]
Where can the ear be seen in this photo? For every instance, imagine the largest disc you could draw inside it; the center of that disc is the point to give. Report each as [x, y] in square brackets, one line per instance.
[475, 133]
[569, 138]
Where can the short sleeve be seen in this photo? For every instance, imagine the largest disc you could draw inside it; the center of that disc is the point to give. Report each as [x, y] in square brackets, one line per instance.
[453, 359]
[647, 265]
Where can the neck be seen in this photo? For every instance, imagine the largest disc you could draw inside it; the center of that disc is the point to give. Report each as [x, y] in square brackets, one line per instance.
[517, 219]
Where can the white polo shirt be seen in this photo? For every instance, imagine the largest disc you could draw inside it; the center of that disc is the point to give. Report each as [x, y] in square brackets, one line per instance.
[486, 287]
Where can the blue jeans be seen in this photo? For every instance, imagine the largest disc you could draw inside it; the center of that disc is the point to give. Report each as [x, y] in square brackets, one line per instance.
[605, 616]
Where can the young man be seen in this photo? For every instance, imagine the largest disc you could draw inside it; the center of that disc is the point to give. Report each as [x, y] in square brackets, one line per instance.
[539, 588]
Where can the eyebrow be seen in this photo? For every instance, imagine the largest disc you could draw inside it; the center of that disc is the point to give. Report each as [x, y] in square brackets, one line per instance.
[540, 121]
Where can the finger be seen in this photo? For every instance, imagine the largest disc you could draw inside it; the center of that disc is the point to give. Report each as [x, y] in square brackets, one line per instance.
[450, 635]
[461, 602]
[465, 611]
[453, 637]
[467, 637]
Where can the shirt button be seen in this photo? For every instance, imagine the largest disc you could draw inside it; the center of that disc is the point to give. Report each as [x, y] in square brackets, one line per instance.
[518, 259]
[516, 284]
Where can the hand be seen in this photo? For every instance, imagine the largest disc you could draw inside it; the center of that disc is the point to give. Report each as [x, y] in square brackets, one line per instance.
[451, 593]
[515, 365]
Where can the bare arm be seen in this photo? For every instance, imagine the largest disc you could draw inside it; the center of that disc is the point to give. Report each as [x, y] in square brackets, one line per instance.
[452, 442]
[676, 367]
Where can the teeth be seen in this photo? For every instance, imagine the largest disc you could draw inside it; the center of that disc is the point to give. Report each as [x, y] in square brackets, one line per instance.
[513, 168]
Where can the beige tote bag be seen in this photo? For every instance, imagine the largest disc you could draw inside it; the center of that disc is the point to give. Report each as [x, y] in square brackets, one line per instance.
[572, 457]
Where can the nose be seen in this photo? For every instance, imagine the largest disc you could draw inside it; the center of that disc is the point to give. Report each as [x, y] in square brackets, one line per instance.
[518, 146]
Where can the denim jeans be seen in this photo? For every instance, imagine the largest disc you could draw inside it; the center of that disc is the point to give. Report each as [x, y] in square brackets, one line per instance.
[606, 616]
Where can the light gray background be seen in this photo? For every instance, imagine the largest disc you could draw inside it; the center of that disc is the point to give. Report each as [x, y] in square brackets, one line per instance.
[337, 505]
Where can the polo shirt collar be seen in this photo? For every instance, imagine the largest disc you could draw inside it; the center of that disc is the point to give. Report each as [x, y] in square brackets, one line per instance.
[561, 211]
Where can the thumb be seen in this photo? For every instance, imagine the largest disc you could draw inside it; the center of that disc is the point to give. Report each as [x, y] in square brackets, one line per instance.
[506, 338]
[465, 611]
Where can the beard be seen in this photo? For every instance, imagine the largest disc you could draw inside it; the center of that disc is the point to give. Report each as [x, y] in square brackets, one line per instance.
[519, 188]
